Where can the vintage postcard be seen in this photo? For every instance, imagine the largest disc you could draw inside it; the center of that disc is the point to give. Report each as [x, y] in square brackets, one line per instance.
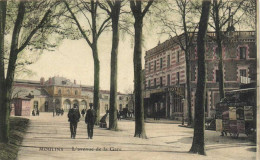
[129, 79]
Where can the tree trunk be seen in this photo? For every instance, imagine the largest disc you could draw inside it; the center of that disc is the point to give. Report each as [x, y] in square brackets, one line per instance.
[115, 11]
[187, 58]
[3, 134]
[219, 50]
[96, 82]
[198, 138]
[138, 80]
[10, 72]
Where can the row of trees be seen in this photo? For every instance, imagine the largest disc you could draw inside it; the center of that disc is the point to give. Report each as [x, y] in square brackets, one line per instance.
[34, 22]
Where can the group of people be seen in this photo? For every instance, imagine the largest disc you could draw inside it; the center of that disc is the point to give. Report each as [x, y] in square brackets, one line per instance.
[74, 117]
[36, 113]
[59, 111]
[83, 111]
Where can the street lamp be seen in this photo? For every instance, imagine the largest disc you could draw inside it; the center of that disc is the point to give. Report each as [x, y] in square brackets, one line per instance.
[53, 106]
[182, 103]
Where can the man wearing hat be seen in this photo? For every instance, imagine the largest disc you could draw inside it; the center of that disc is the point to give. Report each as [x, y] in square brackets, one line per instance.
[74, 117]
[90, 121]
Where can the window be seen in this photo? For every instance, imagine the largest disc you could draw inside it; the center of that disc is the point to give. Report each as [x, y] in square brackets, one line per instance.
[161, 81]
[168, 61]
[120, 98]
[106, 107]
[243, 72]
[168, 80]
[149, 83]
[178, 77]
[59, 92]
[161, 63]
[178, 56]
[217, 75]
[154, 82]
[76, 92]
[35, 105]
[154, 65]
[68, 91]
[149, 67]
[105, 97]
[242, 52]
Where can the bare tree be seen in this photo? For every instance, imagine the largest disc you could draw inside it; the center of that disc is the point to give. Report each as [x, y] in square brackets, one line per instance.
[26, 30]
[223, 12]
[139, 14]
[93, 32]
[199, 120]
[187, 24]
[113, 10]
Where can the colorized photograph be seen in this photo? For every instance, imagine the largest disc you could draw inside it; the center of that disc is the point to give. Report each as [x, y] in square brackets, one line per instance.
[129, 80]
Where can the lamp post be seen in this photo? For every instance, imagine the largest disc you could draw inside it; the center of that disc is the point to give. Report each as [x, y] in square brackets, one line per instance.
[182, 103]
[53, 107]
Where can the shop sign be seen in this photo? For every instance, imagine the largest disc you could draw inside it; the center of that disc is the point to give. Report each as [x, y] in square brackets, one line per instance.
[232, 113]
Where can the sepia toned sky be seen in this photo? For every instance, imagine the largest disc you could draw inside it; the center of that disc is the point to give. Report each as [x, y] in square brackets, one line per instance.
[73, 60]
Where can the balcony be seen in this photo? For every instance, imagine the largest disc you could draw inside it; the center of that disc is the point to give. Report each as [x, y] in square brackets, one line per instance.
[244, 80]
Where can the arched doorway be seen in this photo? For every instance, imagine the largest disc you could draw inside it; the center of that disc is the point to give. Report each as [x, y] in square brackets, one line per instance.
[83, 105]
[67, 105]
[46, 106]
[75, 102]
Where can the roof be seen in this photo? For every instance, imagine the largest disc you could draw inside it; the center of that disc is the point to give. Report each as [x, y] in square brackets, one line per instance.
[25, 92]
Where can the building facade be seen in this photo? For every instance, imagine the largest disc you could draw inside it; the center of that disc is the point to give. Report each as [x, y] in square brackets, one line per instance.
[59, 92]
[165, 73]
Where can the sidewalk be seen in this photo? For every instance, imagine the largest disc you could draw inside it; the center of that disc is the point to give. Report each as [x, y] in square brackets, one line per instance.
[161, 120]
[48, 138]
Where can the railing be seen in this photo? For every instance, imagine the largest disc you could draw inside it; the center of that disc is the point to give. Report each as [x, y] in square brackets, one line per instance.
[244, 80]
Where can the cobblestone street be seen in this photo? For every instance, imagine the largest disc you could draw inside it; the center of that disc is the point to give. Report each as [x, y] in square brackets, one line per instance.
[49, 138]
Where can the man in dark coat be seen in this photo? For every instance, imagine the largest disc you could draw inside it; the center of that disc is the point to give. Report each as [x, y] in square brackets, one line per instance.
[74, 117]
[90, 121]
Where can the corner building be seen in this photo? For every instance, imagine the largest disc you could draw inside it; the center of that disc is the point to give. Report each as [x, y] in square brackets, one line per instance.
[165, 73]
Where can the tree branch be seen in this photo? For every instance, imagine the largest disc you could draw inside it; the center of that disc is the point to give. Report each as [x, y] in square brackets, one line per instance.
[77, 22]
[40, 25]
[150, 2]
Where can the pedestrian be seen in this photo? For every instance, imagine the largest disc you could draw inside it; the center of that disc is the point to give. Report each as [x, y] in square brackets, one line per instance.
[74, 117]
[90, 121]
[33, 113]
[37, 112]
[118, 115]
[83, 112]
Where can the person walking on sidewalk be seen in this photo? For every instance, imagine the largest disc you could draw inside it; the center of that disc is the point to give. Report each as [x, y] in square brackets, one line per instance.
[90, 121]
[74, 117]
[83, 112]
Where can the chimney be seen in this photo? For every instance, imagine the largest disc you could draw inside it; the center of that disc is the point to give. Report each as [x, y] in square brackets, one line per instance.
[75, 81]
[42, 81]
[50, 81]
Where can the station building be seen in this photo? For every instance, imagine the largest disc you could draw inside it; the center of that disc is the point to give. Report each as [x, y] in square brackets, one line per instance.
[58, 92]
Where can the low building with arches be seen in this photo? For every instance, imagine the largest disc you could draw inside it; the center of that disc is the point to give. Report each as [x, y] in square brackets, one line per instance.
[61, 93]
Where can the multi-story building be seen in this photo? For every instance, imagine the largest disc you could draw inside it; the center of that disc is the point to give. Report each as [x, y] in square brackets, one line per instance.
[165, 73]
[59, 92]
